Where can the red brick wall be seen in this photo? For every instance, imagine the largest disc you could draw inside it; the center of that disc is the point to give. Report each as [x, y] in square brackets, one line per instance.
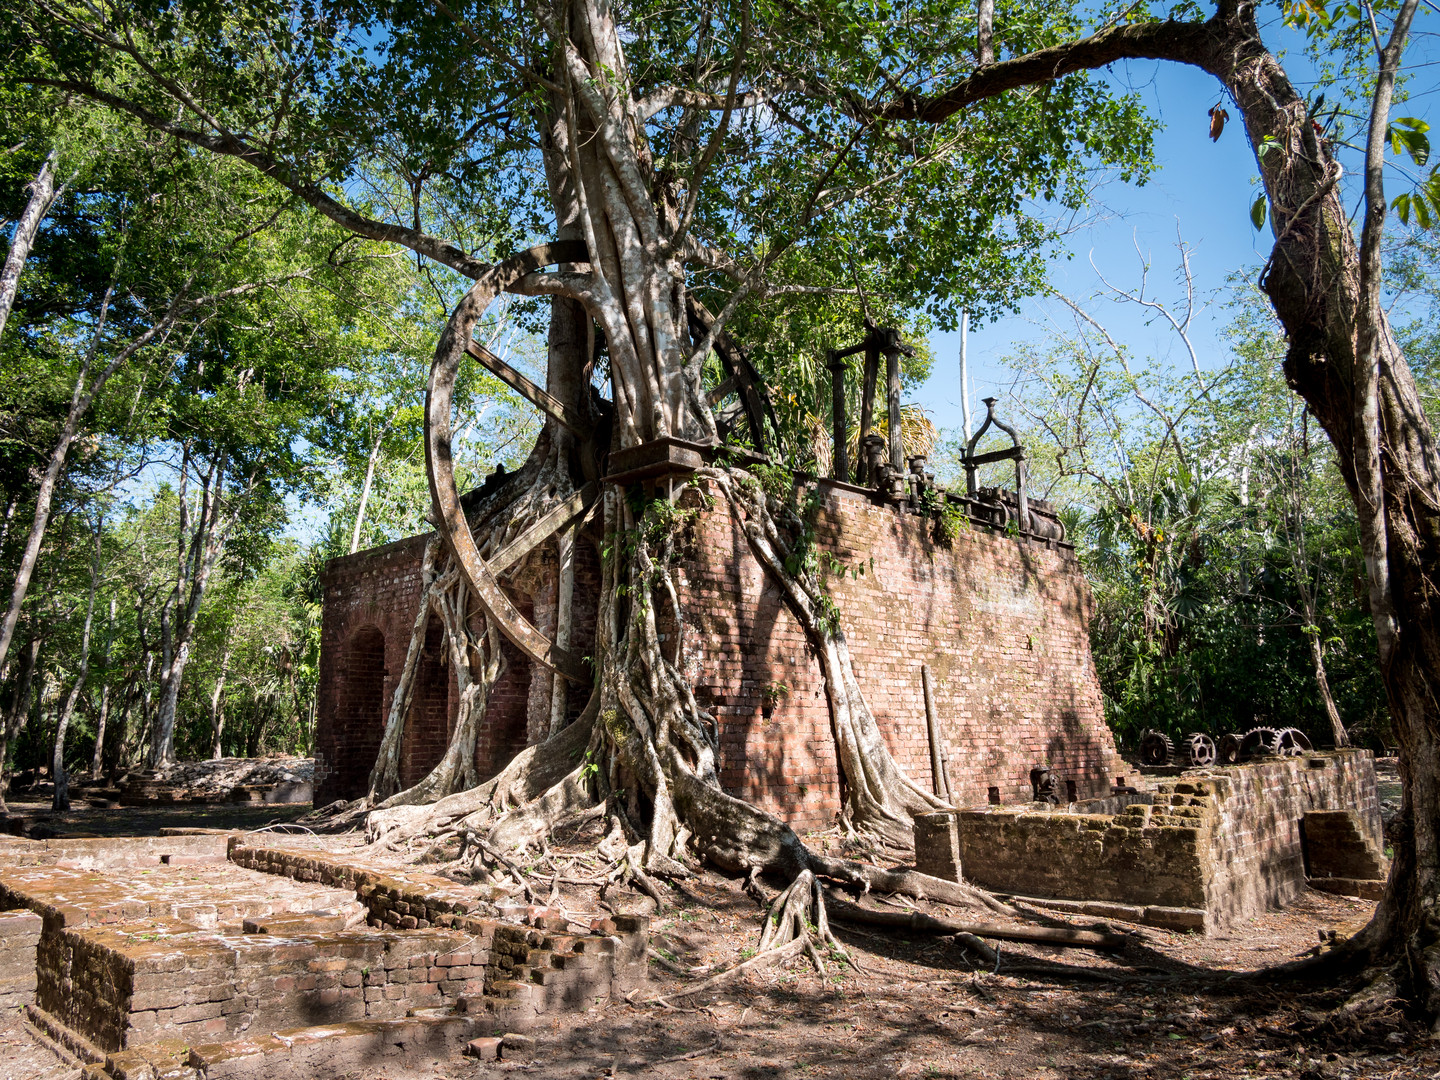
[1001, 621]
[372, 592]
[427, 729]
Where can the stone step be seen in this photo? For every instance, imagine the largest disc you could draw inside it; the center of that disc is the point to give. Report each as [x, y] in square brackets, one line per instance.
[1363, 889]
[291, 923]
[72, 1044]
[1336, 846]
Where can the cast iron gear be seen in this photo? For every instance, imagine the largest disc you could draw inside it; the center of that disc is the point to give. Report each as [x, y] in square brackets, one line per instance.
[1259, 742]
[1200, 748]
[1156, 749]
[1229, 751]
[1292, 742]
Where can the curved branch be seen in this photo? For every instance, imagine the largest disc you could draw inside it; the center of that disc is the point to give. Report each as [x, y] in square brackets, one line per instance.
[1184, 42]
[672, 97]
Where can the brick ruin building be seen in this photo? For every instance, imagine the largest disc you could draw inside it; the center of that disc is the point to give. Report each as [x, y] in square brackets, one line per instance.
[998, 614]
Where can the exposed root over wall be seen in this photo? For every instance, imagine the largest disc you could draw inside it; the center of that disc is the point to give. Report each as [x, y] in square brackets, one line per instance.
[647, 751]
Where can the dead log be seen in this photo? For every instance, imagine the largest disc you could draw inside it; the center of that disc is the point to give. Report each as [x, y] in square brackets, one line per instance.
[842, 910]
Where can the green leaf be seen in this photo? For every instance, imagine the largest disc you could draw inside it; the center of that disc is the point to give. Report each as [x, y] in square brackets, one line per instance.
[1407, 134]
[1401, 206]
[1257, 212]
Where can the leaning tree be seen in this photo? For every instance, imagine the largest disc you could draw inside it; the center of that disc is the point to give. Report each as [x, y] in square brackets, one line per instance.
[1342, 359]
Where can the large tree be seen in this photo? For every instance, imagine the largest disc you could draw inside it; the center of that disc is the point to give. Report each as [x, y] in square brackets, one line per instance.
[735, 154]
[676, 164]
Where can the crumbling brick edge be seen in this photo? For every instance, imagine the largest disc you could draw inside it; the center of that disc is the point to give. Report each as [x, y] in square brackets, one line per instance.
[529, 970]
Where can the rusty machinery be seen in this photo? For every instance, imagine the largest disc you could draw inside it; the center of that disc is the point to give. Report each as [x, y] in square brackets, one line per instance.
[1158, 750]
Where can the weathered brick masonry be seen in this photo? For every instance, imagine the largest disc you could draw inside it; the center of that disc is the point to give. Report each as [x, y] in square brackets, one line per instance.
[1000, 620]
[1216, 845]
[130, 953]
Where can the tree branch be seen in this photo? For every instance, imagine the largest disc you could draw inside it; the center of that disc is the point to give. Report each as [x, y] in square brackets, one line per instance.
[1184, 42]
[442, 251]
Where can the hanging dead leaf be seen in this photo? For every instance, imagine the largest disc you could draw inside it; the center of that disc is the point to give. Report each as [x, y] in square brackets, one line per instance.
[1218, 116]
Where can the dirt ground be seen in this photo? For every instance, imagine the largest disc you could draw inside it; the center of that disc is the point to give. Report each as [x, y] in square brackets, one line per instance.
[1168, 1006]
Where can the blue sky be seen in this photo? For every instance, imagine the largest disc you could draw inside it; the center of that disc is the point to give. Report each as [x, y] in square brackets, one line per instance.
[1201, 188]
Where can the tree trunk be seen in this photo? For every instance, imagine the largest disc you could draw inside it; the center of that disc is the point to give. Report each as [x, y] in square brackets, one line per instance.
[370, 463]
[19, 711]
[1322, 683]
[217, 712]
[42, 196]
[1344, 361]
[650, 737]
[196, 555]
[104, 713]
[81, 398]
[61, 799]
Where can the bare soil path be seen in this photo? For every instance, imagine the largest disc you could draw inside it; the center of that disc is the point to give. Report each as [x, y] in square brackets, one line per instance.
[1168, 1006]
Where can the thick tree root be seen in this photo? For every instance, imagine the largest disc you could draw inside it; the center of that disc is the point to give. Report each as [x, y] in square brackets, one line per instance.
[541, 785]
[928, 924]
[799, 912]
[796, 924]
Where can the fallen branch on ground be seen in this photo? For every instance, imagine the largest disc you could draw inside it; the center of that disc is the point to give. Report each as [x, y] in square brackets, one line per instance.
[843, 911]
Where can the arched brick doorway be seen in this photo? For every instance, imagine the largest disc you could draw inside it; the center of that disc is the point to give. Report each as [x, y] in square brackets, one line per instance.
[360, 712]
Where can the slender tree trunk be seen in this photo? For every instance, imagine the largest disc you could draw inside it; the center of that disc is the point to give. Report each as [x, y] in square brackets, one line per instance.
[42, 197]
[104, 713]
[217, 712]
[62, 780]
[1322, 683]
[564, 603]
[147, 716]
[81, 398]
[197, 553]
[125, 748]
[9, 520]
[370, 464]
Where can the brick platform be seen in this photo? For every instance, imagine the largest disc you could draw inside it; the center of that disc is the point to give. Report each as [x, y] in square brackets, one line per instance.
[1001, 621]
[1210, 847]
[281, 962]
[19, 935]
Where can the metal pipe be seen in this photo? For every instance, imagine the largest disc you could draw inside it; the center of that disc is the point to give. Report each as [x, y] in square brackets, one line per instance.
[938, 778]
[867, 400]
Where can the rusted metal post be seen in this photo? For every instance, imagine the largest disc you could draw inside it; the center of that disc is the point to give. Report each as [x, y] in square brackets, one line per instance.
[1022, 502]
[892, 397]
[840, 460]
[867, 401]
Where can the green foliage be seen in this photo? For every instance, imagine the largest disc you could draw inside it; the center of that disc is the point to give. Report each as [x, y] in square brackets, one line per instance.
[949, 518]
[776, 481]
[1216, 533]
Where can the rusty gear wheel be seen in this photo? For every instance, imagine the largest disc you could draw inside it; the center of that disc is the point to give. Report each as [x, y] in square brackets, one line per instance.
[1292, 742]
[1229, 750]
[1156, 749]
[1259, 742]
[1200, 748]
